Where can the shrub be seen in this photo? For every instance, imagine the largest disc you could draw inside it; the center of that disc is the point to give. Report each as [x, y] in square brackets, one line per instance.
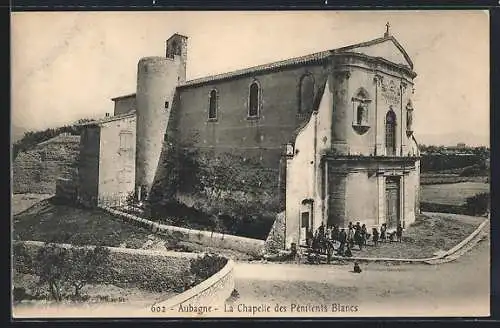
[478, 204]
[204, 267]
[474, 171]
[156, 281]
[23, 261]
[19, 294]
[442, 208]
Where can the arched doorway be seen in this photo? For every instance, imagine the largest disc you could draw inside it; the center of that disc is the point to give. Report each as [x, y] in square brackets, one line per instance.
[390, 133]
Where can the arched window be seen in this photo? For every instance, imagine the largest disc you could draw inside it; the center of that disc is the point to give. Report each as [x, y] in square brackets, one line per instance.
[253, 102]
[212, 106]
[390, 133]
[306, 94]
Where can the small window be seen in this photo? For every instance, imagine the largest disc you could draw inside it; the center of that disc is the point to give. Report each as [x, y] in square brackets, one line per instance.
[212, 106]
[253, 103]
[125, 141]
[166, 104]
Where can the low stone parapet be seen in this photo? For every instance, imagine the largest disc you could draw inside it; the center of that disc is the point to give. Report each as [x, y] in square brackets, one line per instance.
[245, 245]
[207, 297]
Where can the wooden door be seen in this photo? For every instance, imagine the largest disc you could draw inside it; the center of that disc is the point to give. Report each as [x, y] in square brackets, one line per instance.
[392, 192]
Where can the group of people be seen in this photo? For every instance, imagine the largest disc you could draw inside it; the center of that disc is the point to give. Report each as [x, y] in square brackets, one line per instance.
[323, 239]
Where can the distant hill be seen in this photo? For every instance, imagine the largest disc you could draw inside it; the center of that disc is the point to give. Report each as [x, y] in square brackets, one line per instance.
[452, 139]
[17, 133]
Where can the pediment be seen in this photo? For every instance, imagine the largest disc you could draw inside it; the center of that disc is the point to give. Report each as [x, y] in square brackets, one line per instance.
[387, 48]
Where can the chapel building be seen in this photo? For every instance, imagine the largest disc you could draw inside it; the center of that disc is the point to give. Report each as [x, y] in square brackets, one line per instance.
[334, 128]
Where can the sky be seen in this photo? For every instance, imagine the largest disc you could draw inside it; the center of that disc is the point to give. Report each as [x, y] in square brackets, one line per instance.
[68, 65]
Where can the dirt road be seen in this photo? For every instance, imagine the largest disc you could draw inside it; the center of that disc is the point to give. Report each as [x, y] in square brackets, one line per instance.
[459, 288]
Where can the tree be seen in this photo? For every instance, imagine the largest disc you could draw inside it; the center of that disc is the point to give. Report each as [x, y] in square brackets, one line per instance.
[77, 266]
[86, 266]
[51, 265]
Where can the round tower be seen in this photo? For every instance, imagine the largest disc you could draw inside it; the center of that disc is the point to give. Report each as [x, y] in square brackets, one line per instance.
[157, 80]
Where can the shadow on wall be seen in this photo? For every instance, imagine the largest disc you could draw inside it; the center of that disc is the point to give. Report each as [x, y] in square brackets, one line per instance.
[223, 192]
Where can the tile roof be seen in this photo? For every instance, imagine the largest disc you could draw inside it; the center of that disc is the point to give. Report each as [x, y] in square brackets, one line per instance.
[311, 58]
[318, 56]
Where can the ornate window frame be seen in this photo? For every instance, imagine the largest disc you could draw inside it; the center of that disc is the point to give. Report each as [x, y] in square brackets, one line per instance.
[361, 111]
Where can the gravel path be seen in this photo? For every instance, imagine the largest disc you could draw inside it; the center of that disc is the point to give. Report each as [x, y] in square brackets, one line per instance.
[459, 288]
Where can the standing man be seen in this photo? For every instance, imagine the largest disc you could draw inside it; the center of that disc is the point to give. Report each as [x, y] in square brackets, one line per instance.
[350, 235]
[399, 233]
[342, 240]
[383, 232]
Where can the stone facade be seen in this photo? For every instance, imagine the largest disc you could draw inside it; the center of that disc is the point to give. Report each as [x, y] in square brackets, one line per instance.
[107, 161]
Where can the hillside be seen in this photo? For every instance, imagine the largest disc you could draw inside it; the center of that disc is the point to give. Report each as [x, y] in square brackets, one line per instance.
[36, 170]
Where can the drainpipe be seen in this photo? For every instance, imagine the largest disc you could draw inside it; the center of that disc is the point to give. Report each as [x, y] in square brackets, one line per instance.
[326, 198]
[401, 110]
[376, 115]
[315, 163]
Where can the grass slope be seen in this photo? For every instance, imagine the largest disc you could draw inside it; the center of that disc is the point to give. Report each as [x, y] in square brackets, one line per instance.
[64, 224]
[452, 194]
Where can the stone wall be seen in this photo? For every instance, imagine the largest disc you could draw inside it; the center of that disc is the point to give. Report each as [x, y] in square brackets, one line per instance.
[36, 170]
[212, 292]
[88, 166]
[66, 190]
[136, 266]
[276, 239]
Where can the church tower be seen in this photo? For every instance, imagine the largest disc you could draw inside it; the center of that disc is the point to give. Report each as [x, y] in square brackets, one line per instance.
[157, 80]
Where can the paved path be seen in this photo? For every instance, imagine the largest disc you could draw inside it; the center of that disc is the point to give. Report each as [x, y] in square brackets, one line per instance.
[459, 288]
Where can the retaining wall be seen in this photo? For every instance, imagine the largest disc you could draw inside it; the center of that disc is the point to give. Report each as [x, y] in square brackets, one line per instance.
[242, 244]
